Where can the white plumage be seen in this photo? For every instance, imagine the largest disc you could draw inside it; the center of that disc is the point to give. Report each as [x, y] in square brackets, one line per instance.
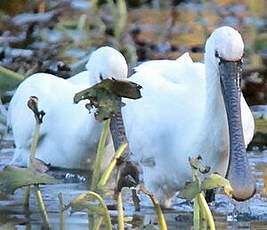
[69, 134]
[182, 115]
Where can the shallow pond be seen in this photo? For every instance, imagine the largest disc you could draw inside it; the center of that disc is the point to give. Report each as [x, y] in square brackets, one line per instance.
[228, 214]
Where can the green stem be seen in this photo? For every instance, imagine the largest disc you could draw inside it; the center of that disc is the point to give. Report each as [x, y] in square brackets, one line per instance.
[196, 215]
[98, 223]
[35, 139]
[162, 222]
[202, 214]
[100, 154]
[111, 165]
[34, 143]
[61, 209]
[102, 204]
[203, 205]
[41, 205]
[91, 220]
[120, 212]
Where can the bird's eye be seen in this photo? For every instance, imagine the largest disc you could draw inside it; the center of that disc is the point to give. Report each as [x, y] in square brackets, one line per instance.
[101, 77]
[216, 54]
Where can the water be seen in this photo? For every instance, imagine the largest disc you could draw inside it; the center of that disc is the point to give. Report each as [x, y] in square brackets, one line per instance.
[246, 215]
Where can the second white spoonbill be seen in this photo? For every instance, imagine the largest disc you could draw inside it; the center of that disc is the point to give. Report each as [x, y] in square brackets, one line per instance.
[69, 134]
[190, 109]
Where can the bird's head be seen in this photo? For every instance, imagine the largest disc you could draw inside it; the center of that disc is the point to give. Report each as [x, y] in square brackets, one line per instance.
[106, 62]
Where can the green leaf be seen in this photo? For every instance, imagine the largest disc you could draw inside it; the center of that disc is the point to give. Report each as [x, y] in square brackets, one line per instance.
[190, 190]
[8, 80]
[106, 96]
[12, 178]
[215, 181]
[196, 163]
[8, 226]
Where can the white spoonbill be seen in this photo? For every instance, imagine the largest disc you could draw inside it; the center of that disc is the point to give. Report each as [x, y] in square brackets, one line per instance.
[69, 134]
[190, 109]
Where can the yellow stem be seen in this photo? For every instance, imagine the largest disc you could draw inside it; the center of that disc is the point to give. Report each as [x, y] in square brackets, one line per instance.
[208, 214]
[196, 215]
[101, 202]
[41, 205]
[111, 165]
[120, 212]
[100, 154]
[162, 222]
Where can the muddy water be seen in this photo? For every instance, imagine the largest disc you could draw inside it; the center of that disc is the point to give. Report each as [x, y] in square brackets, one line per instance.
[228, 214]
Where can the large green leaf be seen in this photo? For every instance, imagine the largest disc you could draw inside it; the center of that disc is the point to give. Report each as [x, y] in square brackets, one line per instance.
[106, 96]
[190, 190]
[12, 178]
[214, 181]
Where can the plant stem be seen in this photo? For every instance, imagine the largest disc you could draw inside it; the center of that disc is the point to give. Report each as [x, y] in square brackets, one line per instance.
[61, 209]
[32, 154]
[162, 222]
[208, 214]
[136, 200]
[202, 214]
[111, 165]
[97, 223]
[101, 202]
[196, 215]
[26, 197]
[120, 212]
[100, 154]
[34, 143]
[41, 205]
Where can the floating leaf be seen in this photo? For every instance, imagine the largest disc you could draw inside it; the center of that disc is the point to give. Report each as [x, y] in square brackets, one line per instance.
[190, 190]
[8, 226]
[106, 96]
[12, 178]
[216, 180]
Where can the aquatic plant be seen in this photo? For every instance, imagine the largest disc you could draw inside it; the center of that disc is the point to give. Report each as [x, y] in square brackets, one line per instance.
[161, 219]
[195, 190]
[12, 178]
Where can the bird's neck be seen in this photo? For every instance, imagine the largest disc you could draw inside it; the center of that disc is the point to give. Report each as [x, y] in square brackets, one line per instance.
[214, 97]
[214, 130]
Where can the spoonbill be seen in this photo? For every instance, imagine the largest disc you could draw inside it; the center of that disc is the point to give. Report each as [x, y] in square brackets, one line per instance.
[187, 109]
[190, 109]
[68, 134]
